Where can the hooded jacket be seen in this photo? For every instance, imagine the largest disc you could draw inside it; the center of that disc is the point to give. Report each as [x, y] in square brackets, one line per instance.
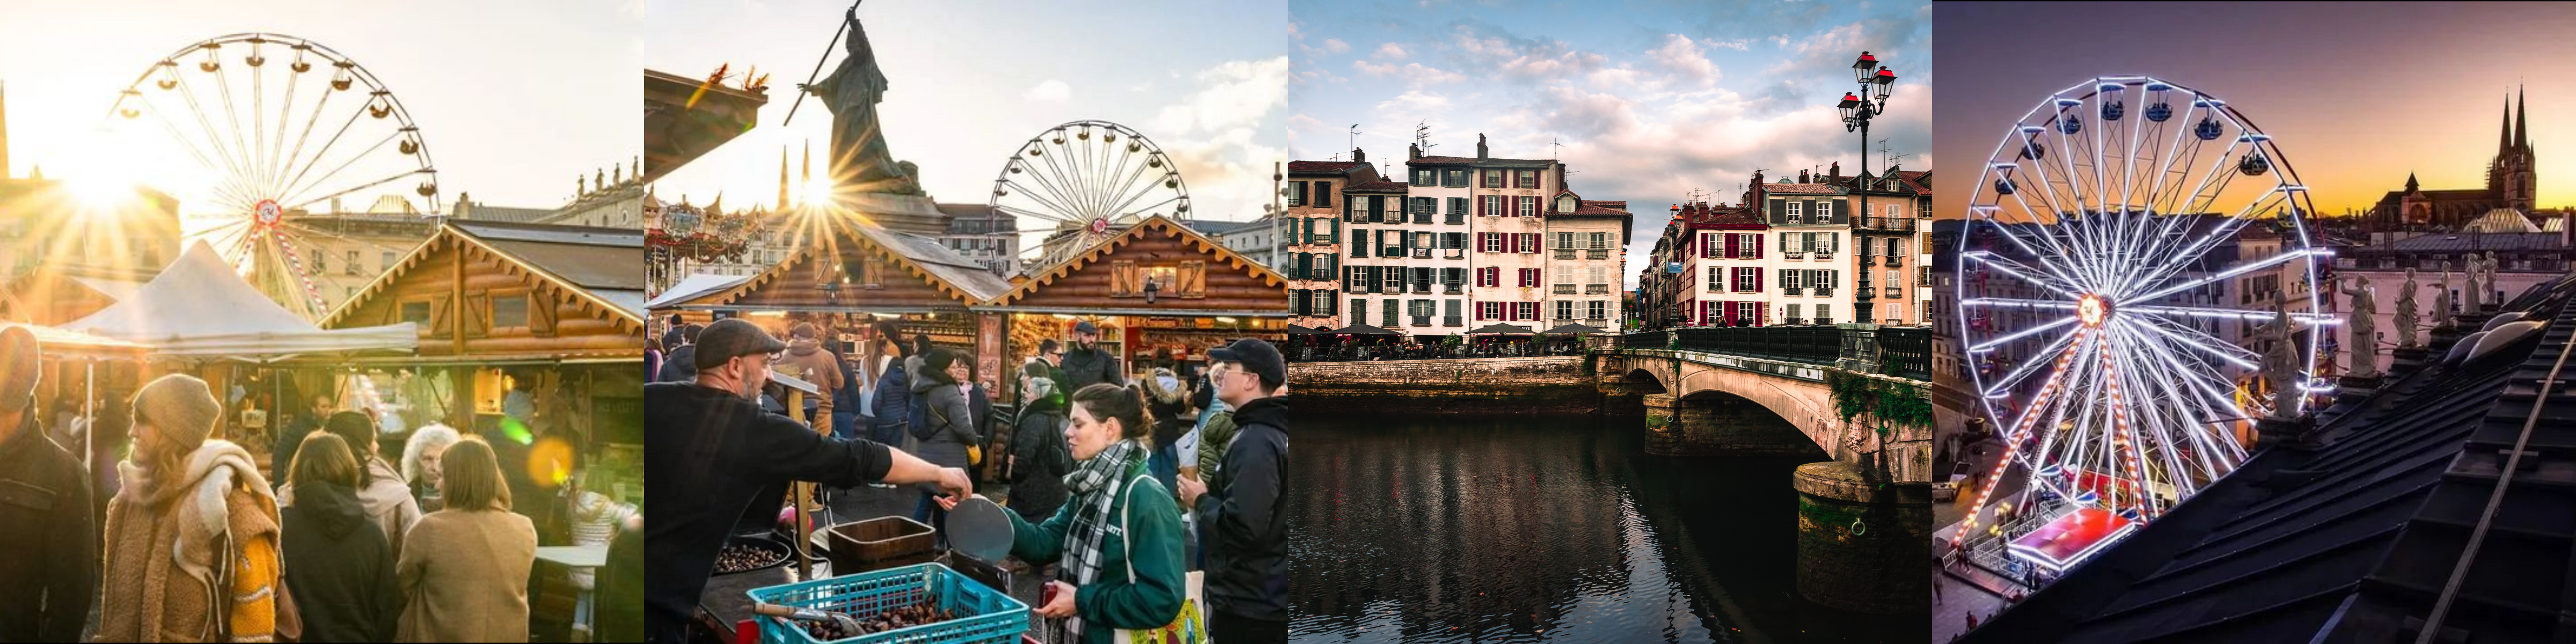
[386, 499]
[1166, 402]
[1244, 519]
[341, 567]
[807, 359]
[187, 548]
[48, 576]
[1037, 441]
[893, 403]
[953, 424]
[680, 366]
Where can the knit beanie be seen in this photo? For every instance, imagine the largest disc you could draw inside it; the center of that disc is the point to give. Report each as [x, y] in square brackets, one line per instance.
[180, 407]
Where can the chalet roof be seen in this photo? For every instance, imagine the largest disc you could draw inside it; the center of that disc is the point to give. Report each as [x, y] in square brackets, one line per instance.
[2357, 535]
[1151, 225]
[951, 271]
[592, 263]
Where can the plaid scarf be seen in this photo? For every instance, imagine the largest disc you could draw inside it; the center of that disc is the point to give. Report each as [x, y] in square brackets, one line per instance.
[1097, 483]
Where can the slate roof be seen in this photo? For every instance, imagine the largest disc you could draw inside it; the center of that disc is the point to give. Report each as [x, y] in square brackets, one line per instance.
[1801, 189]
[1324, 167]
[2460, 242]
[2356, 539]
[1376, 186]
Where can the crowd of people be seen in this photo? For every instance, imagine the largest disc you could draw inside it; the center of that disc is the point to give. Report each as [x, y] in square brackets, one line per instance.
[198, 543]
[1184, 469]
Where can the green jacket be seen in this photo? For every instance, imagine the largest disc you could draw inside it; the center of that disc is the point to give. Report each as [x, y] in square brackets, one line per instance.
[1110, 603]
[1213, 437]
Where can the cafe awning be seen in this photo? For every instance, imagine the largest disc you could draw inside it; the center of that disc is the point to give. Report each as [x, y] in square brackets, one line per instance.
[1503, 329]
[1362, 329]
[1575, 329]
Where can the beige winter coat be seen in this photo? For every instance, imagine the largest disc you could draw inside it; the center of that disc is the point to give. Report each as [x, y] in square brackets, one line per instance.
[466, 574]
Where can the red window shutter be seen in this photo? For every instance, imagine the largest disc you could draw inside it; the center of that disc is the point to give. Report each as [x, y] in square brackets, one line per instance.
[1732, 248]
[1757, 280]
[1754, 240]
[1727, 312]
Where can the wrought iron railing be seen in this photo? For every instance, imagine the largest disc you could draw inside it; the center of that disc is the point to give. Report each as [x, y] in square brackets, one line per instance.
[1300, 353]
[1564, 289]
[1596, 254]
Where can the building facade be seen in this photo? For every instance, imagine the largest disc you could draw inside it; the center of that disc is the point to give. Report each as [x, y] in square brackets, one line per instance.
[1314, 270]
[1811, 221]
[1888, 234]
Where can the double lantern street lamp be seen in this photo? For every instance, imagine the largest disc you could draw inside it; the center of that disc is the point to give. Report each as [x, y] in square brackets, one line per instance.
[1875, 82]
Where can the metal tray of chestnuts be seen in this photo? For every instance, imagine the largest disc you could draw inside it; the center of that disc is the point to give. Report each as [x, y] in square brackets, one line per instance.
[746, 553]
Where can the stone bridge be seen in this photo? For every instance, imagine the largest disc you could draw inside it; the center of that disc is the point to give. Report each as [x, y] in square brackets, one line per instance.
[1700, 402]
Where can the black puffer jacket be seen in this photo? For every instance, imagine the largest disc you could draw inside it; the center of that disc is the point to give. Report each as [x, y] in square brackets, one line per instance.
[340, 567]
[49, 574]
[1244, 526]
[1037, 481]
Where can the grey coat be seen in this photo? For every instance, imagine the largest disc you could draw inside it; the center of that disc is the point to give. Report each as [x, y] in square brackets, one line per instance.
[954, 418]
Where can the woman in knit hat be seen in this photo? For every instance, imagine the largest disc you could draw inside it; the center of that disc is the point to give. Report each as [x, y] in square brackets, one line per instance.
[465, 567]
[192, 538]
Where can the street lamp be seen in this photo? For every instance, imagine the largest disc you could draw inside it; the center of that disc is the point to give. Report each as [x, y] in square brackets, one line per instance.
[1857, 109]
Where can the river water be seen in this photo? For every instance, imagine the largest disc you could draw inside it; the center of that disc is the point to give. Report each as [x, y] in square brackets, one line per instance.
[1557, 529]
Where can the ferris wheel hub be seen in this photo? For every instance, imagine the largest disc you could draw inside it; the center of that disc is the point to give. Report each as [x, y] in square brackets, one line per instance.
[268, 213]
[2093, 309]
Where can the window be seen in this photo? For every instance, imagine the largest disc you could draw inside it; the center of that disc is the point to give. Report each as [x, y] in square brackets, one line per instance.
[389, 260]
[1600, 241]
[1525, 310]
[1529, 207]
[1895, 210]
[1323, 196]
[1389, 314]
[1528, 242]
[1493, 242]
[1422, 206]
[1296, 193]
[1565, 203]
[1422, 177]
[350, 267]
[1359, 310]
[1600, 310]
[1449, 308]
[1359, 243]
[1794, 212]
[1793, 311]
[1457, 210]
[1493, 205]
[1716, 278]
[1749, 312]
[1596, 276]
[509, 311]
[1564, 309]
[1565, 241]
[1489, 310]
[1423, 240]
[1528, 179]
[1493, 179]
[1824, 312]
[1454, 179]
[416, 312]
[1748, 280]
[1453, 241]
[317, 261]
[1894, 315]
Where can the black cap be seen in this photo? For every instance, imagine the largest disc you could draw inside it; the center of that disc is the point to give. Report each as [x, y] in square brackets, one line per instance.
[1085, 326]
[732, 337]
[1257, 357]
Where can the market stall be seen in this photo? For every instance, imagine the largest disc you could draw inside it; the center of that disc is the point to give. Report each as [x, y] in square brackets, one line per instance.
[1161, 293]
[849, 275]
[531, 336]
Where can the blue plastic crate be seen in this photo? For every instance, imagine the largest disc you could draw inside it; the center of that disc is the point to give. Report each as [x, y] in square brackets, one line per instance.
[996, 617]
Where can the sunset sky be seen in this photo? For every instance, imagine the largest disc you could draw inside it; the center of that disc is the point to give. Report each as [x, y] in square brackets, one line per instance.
[2356, 95]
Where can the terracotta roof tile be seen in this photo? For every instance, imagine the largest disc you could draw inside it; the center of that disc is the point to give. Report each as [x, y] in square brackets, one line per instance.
[1802, 189]
[1324, 166]
[1377, 186]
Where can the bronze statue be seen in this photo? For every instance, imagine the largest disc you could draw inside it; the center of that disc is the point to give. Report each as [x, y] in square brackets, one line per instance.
[860, 161]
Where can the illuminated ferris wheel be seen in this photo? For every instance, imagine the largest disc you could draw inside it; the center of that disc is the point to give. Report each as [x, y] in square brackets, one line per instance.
[1079, 183]
[268, 127]
[2128, 251]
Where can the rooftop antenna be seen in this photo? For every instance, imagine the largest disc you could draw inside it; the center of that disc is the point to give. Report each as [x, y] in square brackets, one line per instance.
[1355, 138]
[1888, 160]
[1422, 134]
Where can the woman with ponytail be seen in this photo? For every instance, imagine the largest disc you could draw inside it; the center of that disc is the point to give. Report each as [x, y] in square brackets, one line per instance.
[1118, 536]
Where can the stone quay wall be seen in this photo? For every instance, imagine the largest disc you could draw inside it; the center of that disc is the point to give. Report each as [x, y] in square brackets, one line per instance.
[1534, 385]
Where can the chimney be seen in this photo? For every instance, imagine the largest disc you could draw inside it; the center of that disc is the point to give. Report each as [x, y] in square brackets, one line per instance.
[1802, 176]
[1414, 150]
[1359, 155]
[1838, 172]
[1480, 147]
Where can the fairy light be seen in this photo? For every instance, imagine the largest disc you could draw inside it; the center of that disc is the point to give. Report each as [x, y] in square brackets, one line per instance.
[2021, 431]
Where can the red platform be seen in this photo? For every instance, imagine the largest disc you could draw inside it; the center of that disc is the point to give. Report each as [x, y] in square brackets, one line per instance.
[2071, 538]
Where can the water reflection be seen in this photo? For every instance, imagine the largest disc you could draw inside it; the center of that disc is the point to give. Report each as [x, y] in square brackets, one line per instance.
[1446, 529]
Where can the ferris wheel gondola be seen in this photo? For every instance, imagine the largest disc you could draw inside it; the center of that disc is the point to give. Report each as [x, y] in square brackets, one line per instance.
[2119, 281]
[260, 145]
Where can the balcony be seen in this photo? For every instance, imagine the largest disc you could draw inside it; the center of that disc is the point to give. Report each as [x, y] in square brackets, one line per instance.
[1453, 253]
[1422, 288]
[1825, 321]
[1421, 320]
[1794, 255]
[1565, 253]
[1422, 253]
[1885, 224]
[1869, 260]
[1715, 288]
[1824, 292]
[1894, 292]
[1864, 292]
[1924, 281]
[1822, 256]
[1895, 261]
[1390, 251]
[1564, 289]
[1791, 291]
[1597, 253]
[1599, 323]
[1456, 218]
[1452, 289]
[1453, 321]
[1596, 289]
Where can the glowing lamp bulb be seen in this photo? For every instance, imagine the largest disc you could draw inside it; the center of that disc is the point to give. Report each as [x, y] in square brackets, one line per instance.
[2092, 309]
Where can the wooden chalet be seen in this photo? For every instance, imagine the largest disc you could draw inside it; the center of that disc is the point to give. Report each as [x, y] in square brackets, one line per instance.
[848, 274]
[1157, 286]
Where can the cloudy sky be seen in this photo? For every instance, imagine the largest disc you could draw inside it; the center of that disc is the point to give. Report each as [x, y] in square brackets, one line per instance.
[1650, 100]
[968, 81]
[2357, 95]
[513, 108]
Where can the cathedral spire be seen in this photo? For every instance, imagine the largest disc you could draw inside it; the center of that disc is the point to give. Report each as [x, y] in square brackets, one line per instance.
[2504, 133]
[782, 178]
[2411, 186]
[2521, 122]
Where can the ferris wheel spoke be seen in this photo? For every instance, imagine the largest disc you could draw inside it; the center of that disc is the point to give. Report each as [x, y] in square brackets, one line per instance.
[2195, 425]
[1989, 345]
[1051, 199]
[2224, 313]
[363, 186]
[1024, 212]
[1055, 196]
[2063, 287]
[2018, 373]
[2221, 276]
[327, 144]
[213, 136]
[2171, 264]
[224, 89]
[287, 161]
[2233, 354]
[295, 192]
[1128, 185]
[277, 144]
[2068, 284]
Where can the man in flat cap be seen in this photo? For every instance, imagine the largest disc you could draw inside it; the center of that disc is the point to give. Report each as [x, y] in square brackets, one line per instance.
[49, 549]
[709, 451]
[1088, 364]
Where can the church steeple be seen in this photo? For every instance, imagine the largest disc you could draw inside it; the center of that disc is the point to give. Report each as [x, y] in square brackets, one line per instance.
[2521, 122]
[2411, 186]
[2504, 131]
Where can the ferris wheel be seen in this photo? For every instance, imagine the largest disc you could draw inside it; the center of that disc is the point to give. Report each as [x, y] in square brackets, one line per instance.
[1079, 183]
[2128, 251]
[268, 127]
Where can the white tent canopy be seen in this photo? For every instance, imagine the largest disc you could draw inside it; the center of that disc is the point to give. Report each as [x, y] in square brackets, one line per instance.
[199, 307]
[694, 285]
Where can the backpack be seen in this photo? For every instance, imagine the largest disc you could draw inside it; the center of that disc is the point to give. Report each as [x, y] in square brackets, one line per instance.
[923, 425]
